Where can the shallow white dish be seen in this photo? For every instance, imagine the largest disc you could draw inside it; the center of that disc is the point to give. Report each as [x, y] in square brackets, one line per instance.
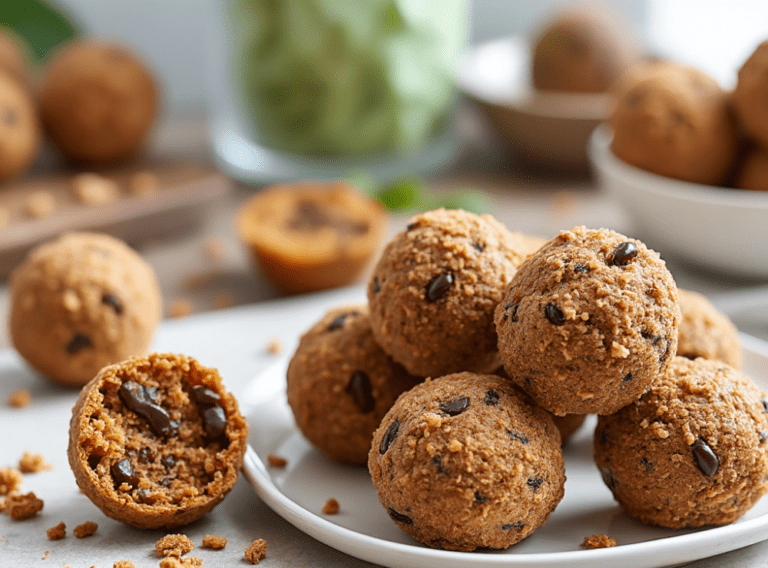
[720, 228]
[364, 530]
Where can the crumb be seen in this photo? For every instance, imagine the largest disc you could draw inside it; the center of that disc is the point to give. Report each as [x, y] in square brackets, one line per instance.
[58, 532]
[174, 545]
[180, 308]
[10, 480]
[215, 249]
[33, 463]
[45, 555]
[331, 507]
[23, 506]
[274, 347]
[19, 398]
[40, 204]
[93, 189]
[186, 562]
[213, 541]
[256, 551]
[598, 541]
[276, 461]
[86, 529]
[224, 299]
[123, 564]
[143, 183]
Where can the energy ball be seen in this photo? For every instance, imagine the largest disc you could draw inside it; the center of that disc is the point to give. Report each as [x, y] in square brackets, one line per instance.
[80, 302]
[706, 332]
[673, 120]
[19, 127]
[753, 171]
[692, 451]
[750, 95]
[340, 384]
[464, 462]
[156, 441]
[98, 101]
[588, 322]
[434, 289]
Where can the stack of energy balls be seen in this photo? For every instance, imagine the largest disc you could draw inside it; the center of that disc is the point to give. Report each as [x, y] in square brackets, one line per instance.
[476, 340]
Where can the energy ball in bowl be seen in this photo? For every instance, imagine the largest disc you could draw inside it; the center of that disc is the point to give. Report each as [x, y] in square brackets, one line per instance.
[753, 172]
[706, 332]
[464, 462]
[750, 95]
[692, 451]
[80, 302]
[434, 289]
[673, 120]
[588, 322]
[340, 384]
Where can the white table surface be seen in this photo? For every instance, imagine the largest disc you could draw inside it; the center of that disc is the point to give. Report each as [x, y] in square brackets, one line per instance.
[234, 341]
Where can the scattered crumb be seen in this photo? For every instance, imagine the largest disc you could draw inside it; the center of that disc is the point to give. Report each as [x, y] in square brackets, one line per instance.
[180, 308]
[33, 463]
[23, 506]
[58, 532]
[143, 183]
[45, 555]
[93, 189]
[598, 541]
[257, 551]
[276, 461]
[215, 249]
[19, 398]
[224, 299]
[214, 541]
[331, 507]
[274, 347]
[123, 564]
[86, 529]
[40, 204]
[186, 562]
[10, 480]
[174, 545]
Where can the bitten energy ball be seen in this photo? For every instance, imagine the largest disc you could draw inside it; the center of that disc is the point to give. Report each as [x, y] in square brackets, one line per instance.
[463, 462]
[750, 94]
[434, 289]
[673, 120]
[588, 322]
[340, 384]
[81, 302]
[98, 101]
[706, 332]
[156, 441]
[692, 451]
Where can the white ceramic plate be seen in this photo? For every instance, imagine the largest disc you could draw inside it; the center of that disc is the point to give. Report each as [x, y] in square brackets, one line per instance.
[364, 530]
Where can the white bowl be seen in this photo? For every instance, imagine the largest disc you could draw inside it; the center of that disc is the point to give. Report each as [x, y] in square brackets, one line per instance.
[719, 228]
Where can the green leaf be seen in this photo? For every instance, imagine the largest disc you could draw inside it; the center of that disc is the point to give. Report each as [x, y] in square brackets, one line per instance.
[403, 194]
[467, 199]
[42, 25]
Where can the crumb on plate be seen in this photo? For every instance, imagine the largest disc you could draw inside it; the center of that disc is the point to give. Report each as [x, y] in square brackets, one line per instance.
[257, 551]
[214, 541]
[58, 532]
[331, 507]
[33, 463]
[19, 398]
[23, 506]
[86, 529]
[10, 480]
[598, 541]
[276, 461]
[174, 545]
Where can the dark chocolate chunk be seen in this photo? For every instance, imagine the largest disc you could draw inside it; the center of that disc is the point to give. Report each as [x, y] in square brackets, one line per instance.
[137, 398]
[144, 495]
[513, 526]
[580, 268]
[491, 397]
[399, 517]
[527, 380]
[554, 314]
[704, 457]
[166, 481]
[647, 464]
[410, 226]
[518, 437]
[376, 286]
[389, 436]
[455, 407]
[623, 254]
[608, 478]
[439, 286]
[626, 378]
[512, 315]
[359, 387]
[145, 455]
[123, 472]
[765, 404]
[114, 302]
[214, 422]
[478, 247]
[205, 396]
[78, 342]
[762, 436]
[479, 498]
[168, 461]
[338, 321]
[534, 483]
[438, 461]
[93, 461]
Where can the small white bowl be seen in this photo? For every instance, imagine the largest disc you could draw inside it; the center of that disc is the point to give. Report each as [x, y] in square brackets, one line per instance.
[719, 228]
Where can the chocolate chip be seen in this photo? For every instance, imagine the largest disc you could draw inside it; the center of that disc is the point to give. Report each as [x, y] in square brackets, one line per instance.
[765, 404]
[166, 481]
[123, 472]
[389, 436]
[605, 437]
[410, 226]
[608, 478]
[623, 254]
[478, 247]
[214, 422]
[480, 499]
[627, 378]
[93, 461]
[145, 455]
[554, 314]
[79, 341]
[534, 483]
[580, 268]
[653, 339]
[399, 517]
[762, 436]
[491, 397]
[439, 286]
[513, 314]
[438, 461]
[648, 465]
[704, 457]
[338, 321]
[144, 495]
[205, 396]
[455, 407]
[141, 401]
[168, 461]
[527, 380]
[516, 436]
[376, 286]
[513, 526]
[359, 387]
[114, 302]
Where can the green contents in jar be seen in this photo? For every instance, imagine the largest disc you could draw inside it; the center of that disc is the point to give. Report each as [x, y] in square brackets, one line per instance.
[349, 77]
